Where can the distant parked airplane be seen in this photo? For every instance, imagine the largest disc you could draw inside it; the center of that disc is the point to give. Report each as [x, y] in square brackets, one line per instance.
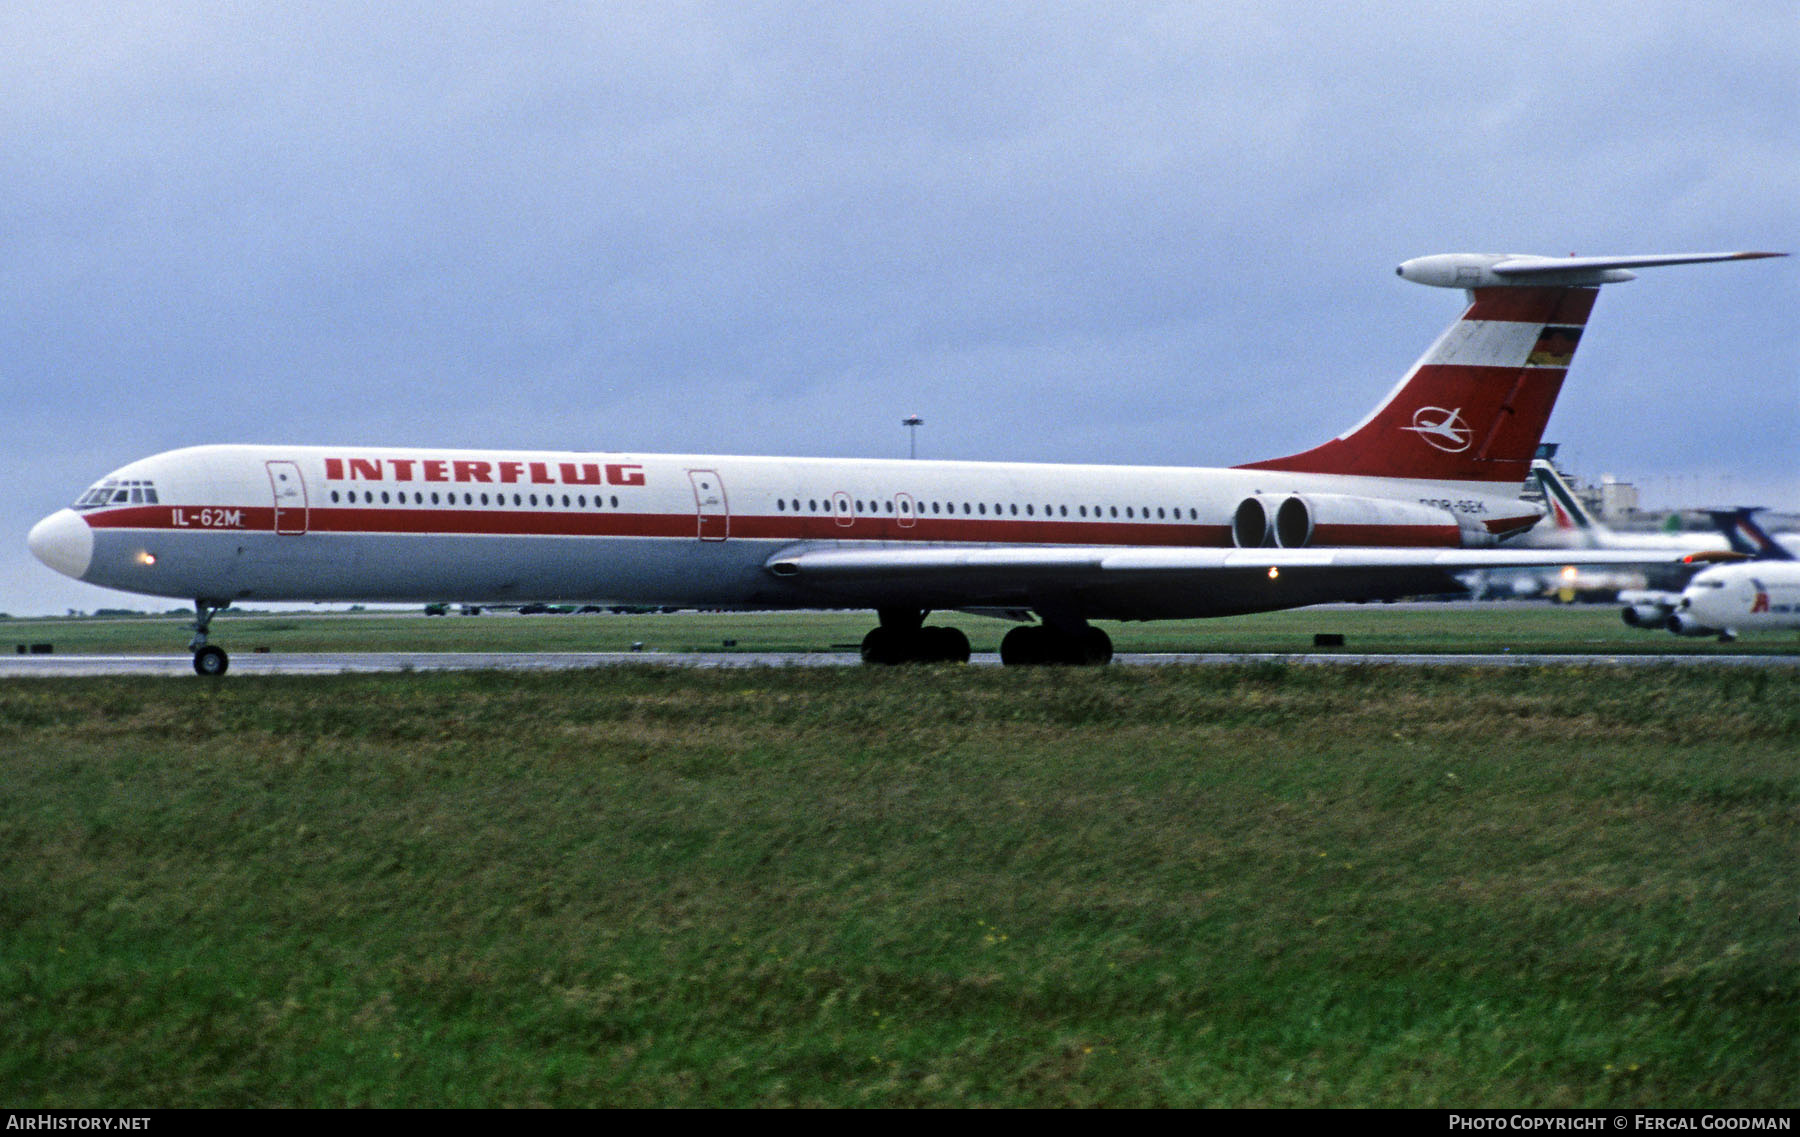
[1747, 536]
[1729, 599]
[1717, 602]
[1422, 488]
[1572, 526]
[1569, 524]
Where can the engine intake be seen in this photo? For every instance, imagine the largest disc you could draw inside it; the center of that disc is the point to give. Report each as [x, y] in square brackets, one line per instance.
[1298, 521]
[1253, 522]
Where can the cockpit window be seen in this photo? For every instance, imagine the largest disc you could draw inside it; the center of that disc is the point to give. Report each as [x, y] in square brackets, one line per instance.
[115, 491]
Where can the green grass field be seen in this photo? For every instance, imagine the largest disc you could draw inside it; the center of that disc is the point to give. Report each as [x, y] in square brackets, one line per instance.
[1375, 627]
[1230, 886]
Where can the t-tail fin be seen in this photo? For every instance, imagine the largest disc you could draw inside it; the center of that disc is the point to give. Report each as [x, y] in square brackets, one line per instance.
[1474, 407]
[1566, 512]
[1747, 536]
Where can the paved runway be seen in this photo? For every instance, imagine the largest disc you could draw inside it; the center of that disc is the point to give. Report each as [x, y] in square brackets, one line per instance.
[334, 663]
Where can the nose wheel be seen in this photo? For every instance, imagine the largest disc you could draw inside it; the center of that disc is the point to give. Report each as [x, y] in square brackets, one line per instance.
[209, 660]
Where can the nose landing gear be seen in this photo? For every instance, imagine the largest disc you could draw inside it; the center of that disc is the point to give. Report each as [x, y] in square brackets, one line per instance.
[209, 660]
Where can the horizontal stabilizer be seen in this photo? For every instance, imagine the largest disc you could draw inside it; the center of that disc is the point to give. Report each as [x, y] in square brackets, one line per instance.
[1494, 270]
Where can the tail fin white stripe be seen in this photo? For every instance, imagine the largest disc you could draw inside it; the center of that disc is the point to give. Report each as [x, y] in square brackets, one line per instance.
[1490, 343]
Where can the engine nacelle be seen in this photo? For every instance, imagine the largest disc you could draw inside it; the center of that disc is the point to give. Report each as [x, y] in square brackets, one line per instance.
[1684, 625]
[1253, 522]
[1298, 521]
[1647, 608]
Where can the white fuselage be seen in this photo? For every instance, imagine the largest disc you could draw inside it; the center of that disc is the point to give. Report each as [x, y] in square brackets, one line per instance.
[265, 523]
[1751, 596]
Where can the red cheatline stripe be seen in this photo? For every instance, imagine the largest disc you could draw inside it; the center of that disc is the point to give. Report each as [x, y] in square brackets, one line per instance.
[504, 523]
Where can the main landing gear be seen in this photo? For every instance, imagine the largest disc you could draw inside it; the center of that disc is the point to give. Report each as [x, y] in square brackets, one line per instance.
[208, 660]
[903, 638]
[1075, 644]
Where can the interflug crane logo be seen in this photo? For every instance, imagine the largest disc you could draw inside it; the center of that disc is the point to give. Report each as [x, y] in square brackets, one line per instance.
[1444, 429]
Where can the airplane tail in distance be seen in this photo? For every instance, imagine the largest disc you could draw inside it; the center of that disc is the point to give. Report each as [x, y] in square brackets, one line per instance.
[1474, 407]
[1567, 513]
[1746, 536]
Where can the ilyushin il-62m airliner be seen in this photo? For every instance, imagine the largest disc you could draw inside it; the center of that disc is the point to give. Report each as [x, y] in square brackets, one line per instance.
[1426, 486]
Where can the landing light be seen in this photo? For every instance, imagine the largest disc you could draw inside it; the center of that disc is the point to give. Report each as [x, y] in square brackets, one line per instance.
[1274, 572]
[146, 559]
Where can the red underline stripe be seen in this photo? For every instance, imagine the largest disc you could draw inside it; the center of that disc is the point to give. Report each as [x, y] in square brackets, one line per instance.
[508, 523]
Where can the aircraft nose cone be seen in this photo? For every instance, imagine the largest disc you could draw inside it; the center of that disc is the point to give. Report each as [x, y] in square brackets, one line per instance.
[64, 542]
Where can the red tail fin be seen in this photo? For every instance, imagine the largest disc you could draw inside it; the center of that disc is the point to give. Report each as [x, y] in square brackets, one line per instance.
[1474, 407]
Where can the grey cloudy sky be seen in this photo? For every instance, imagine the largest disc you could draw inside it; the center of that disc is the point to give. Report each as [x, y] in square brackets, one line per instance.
[1107, 232]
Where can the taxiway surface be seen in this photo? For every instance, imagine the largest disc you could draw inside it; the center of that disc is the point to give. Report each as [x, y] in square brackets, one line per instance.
[337, 663]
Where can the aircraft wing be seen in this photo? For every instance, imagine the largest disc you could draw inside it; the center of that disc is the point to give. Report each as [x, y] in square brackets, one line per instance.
[887, 561]
[1103, 581]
